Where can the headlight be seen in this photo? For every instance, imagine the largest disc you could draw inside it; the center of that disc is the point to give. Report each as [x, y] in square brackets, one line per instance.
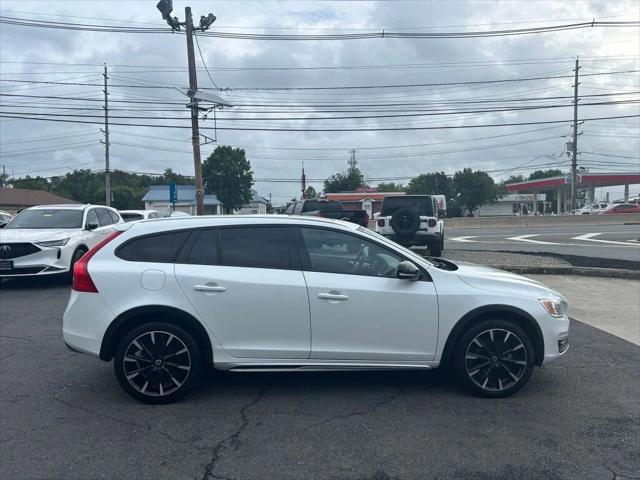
[553, 306]
[54, 243]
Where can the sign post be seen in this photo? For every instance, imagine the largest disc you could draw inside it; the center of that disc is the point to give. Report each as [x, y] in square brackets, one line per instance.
[173, 195]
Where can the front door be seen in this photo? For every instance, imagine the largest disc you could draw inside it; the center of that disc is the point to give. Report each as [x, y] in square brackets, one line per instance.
[359, 309]
[242, 282]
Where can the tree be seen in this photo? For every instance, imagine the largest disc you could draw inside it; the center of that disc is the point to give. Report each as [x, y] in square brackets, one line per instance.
[437, 183]
[514, 179]
[552, 172]
[32, 183]
[170, 176]
[391, 187]
[310, 192]
[474, 189]
[344, 181]
[227, 173]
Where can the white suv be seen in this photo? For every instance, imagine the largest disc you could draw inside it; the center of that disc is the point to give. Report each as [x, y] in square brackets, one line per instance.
[412, 220]
[165, 298]
[49, 239]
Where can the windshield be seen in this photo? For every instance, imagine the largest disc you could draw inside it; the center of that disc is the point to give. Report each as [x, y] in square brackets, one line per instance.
[49, 218]
[423, 205]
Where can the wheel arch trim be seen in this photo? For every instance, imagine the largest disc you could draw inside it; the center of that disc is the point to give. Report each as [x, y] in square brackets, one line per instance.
[526, 321]
[137, 316]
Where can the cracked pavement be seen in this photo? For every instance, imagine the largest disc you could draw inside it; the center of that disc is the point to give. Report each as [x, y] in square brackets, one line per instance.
[63, 415]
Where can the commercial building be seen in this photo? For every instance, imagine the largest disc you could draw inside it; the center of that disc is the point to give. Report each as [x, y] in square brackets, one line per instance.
[157, 198]
[515, 204]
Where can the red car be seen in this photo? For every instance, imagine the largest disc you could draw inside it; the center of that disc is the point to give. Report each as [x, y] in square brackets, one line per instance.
[621, 208]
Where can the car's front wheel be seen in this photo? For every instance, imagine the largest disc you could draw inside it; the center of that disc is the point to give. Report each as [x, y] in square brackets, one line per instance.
[157, 362]
[494, 358]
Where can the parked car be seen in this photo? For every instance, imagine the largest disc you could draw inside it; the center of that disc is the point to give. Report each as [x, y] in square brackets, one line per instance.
[621, 208]
[412, 220]
[592, 208]
[5, 217]
[167, 298]
[137, 215]
[328, 209]
[50, 239]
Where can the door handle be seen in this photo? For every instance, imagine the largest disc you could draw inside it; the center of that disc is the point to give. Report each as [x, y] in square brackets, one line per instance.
[332, 296]
[209, 288]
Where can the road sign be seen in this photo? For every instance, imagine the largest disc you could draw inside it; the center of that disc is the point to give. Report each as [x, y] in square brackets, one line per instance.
[568, 178]
[173, 194]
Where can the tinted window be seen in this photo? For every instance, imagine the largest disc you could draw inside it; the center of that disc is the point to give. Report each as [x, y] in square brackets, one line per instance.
[92, 217]
[331, 205]
[163, 247]
[131, 217]
[205, 250]
[331, 251]
[103, 217]
[257, 247]
[49, 218]
[424, 205]
[310, 205]
[114, 216]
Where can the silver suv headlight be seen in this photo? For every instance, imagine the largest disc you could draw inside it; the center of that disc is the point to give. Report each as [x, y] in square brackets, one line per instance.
[54, 243]
[554, 306]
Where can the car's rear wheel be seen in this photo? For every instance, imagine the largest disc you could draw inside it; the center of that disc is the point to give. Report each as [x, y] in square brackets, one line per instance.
[157, 362]
[435, 249]
[494, 358]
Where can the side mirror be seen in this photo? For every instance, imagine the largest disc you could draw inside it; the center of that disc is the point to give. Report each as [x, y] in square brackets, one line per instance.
[408, 271]
[92, 226]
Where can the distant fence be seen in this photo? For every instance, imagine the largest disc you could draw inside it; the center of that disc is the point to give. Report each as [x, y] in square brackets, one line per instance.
[540, 221]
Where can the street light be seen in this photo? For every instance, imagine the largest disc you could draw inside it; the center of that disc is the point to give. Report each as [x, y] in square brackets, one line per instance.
[166, 7]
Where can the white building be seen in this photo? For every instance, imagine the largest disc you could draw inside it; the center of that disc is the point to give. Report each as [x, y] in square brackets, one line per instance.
[257, 205]
[513, 204]
[157, 198]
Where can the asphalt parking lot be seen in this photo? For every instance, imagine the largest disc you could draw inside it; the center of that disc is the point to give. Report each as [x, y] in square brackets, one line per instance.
[62, 415]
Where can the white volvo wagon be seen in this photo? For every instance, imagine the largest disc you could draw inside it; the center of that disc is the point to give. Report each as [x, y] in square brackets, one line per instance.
[166, 298]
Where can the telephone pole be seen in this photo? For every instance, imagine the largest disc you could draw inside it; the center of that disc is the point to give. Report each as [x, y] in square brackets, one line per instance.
[195, 128]
[574, 146]
[166, 7]
[107, 171]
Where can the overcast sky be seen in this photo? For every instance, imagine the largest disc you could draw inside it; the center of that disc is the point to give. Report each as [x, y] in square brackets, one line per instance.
[160, 60]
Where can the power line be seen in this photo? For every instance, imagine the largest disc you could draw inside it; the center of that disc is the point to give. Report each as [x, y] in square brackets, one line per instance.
[203, 62]
[24, 22]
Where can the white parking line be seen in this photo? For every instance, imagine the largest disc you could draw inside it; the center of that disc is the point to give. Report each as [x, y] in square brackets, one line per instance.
[527, 238]
[587, 237]
[463, 239]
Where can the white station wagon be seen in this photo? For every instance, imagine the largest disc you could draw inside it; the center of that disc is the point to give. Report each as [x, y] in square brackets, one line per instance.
[166, 298]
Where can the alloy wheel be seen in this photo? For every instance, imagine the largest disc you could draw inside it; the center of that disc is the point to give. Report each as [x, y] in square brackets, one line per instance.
[496, 359]
[156, 363]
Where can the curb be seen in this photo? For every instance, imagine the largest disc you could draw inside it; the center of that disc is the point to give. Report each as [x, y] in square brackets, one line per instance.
[583, 271]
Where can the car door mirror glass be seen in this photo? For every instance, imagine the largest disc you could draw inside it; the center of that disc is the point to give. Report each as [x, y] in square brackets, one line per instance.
[408, 271]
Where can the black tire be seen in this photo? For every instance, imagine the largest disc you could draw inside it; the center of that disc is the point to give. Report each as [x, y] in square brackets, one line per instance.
[155, 344]
[405, 222]
[482, 364]
[435, 248]
[77, 255]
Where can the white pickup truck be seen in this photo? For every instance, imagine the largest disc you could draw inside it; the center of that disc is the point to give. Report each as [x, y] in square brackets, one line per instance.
[412, 220]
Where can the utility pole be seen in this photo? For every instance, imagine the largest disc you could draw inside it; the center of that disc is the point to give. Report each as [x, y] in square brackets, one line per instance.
[107, 171]
[195, 128]
[166, 7]
[574, 154]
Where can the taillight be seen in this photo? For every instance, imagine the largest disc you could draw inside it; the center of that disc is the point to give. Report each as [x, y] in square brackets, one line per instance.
[432, 222]
[81, 279]
[381, 222]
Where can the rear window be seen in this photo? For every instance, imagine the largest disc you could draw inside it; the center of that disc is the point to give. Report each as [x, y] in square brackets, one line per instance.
[423, 205]
[331, 205]
[255, 247]
[160, 248]
[131, 217]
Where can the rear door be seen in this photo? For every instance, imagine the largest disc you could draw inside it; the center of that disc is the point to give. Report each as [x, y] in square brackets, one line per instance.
[247, 285]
